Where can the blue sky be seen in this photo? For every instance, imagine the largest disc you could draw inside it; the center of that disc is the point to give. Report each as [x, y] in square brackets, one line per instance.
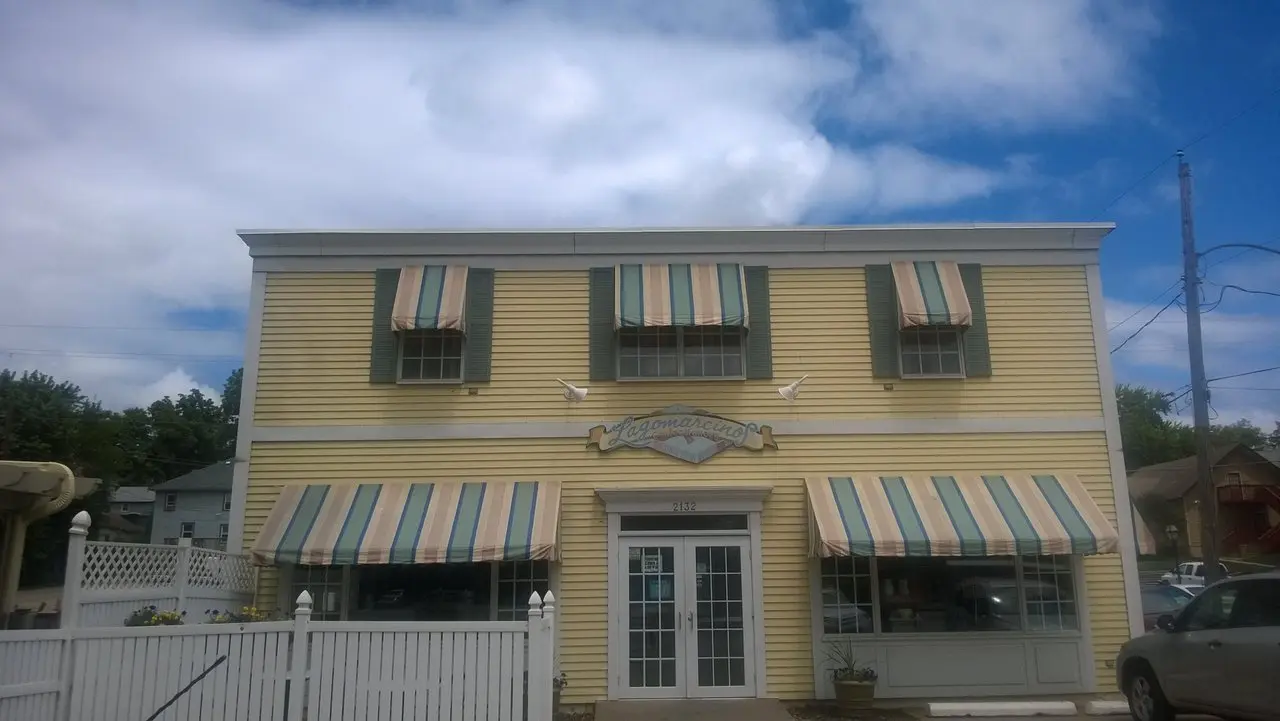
[135, 137]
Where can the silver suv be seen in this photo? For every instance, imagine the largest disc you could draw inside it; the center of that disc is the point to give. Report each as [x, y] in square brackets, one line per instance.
[1219, 655]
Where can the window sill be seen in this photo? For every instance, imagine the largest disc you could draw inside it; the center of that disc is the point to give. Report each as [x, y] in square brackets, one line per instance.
[448, 382]
[939, 377]
[956, 636]
[686, 379]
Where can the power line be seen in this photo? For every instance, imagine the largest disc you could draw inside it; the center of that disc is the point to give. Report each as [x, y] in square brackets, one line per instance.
[146, 329]
[1143, 327]
[1246, 373]
[1246, 388]
[194, 358]
[1163, 161]
[1150, 303]
[1229, 286]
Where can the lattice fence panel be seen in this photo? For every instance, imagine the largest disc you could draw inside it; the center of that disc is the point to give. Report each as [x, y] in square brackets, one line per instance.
[116, 566]
[221, 571]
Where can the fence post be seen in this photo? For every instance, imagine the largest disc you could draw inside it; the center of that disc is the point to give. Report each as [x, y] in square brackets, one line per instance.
[73, 581]
[69, 613]
[298, 665]
[182, 574]
[539, 663]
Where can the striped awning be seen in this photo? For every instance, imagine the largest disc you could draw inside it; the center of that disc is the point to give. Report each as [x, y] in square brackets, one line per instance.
[430, 297]
[930, 292]
[956, 515]
[411, 523]
[680, 294]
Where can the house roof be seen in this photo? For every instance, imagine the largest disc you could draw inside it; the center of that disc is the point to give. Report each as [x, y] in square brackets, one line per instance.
[1173, 479]
[214, 477]
[1272, 455]
[133, 494]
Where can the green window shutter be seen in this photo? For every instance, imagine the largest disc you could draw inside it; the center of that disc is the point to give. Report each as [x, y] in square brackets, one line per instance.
[977, 348]
[759, 335]
[603, 338]
[382, 348]
[882, 319]
[478, 360]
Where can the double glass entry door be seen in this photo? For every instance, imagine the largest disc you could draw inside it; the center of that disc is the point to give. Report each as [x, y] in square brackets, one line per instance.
[688, 617]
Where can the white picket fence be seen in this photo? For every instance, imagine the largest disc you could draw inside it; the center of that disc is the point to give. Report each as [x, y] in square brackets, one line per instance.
[107, 581]
[277, 671]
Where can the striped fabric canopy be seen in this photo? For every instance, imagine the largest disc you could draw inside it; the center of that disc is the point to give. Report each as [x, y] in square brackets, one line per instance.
[931, 293]
[411, 523]
[956, 515]
[430, 297]
[680, 294]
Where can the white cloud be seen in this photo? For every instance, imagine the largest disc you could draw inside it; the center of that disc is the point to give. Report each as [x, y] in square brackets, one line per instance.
[1001, 62]
[134, 137]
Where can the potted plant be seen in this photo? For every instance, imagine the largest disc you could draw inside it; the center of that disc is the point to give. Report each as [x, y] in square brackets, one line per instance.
[150, 616]
[247, 614]
[558, 682]
[855, 683]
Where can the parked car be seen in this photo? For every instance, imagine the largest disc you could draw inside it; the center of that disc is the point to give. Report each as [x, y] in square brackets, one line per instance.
[1218, 655]
[1190, 573]
[1163, 599]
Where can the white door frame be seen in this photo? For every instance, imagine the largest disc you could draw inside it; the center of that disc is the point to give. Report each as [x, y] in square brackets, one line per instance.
[748, 500]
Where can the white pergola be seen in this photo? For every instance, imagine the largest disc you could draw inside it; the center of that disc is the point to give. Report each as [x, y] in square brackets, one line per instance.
[30, 490]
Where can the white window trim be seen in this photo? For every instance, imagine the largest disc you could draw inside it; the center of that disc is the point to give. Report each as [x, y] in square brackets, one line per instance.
[182, 529]
[462, 367]
[959, 331]
[170, 502]
[617, 355]
[226, 502]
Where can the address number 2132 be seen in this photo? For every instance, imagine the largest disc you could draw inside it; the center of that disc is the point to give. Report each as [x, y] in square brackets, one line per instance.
[684, 506]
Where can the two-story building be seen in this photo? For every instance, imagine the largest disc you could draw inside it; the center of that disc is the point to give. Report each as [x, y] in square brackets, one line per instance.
[940, 490]
[195, 505]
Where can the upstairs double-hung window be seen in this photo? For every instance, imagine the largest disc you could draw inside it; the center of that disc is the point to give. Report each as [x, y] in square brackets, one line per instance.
[432, 324]
[681, 321]
[927, 320]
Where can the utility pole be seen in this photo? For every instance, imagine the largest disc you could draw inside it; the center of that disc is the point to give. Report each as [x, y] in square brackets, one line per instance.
[1199, 385]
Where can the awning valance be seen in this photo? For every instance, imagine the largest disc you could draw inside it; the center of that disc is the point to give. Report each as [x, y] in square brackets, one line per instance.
[680, 294]
[374, 523]
[956, 515]
[430, 297]
[931, 293]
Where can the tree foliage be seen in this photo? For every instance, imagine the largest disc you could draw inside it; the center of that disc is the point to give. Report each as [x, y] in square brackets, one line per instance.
[1151, 436]
[42, 419]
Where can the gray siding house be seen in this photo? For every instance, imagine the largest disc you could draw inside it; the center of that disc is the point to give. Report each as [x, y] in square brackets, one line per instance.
[129, 512]
[196, 506]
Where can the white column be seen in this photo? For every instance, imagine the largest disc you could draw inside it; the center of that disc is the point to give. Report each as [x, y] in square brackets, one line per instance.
[298, 665]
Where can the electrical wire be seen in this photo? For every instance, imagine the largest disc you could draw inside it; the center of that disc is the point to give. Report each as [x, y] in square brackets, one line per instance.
[1143, 327]
[1150, 303]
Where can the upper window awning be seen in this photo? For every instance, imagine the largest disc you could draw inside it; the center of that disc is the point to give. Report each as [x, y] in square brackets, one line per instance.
[931, 292]
[680, 294]
[430, 297]
[956, 515]
[405, 523]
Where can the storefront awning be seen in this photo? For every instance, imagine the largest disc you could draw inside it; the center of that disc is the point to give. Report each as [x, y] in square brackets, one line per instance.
[680, 294]
[430, 297]
[956, 515]
[931, 293]
[411, 523]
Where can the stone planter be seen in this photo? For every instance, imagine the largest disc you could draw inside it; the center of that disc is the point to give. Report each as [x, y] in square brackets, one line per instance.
[855, 695]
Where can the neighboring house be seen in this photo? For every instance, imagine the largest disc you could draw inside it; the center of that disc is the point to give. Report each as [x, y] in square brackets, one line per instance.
[940, 492]
[1248, 495]
[128, 515]
[196, 506]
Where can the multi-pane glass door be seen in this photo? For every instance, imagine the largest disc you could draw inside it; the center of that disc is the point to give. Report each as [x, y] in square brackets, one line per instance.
[689, 627]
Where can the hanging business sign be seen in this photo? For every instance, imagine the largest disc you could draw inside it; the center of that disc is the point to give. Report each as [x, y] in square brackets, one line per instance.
[682, 432]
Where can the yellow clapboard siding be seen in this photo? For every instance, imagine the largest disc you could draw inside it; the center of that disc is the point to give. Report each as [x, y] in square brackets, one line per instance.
[316, 331]
[785, 605]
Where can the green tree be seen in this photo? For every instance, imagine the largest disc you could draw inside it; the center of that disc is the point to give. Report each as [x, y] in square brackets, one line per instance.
[1150, 436]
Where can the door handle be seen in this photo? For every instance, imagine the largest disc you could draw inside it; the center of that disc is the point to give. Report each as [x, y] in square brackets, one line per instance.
[691, 620]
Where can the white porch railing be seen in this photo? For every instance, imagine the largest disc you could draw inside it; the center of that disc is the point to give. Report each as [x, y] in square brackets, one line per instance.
[279, 671]
[106, 581]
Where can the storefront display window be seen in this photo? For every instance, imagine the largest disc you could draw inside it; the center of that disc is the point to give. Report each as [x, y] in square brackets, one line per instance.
[948, 595]
[425, 592]
[846, 595]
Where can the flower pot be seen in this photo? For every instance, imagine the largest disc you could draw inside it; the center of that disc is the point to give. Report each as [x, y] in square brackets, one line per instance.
[855, 695]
